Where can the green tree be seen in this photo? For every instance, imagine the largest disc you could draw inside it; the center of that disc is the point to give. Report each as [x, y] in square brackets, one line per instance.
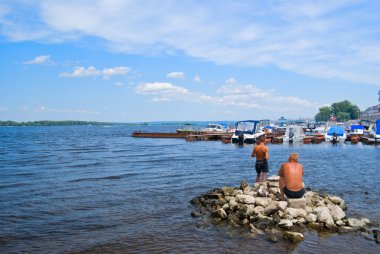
[343, 111]
[323, 114]
[345, 107]
[342, 116]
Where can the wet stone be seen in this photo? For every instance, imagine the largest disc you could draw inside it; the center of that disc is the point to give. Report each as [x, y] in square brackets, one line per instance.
[293, 236]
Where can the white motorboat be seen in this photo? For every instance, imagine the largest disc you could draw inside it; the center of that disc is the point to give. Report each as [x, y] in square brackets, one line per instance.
[335, 134]
[293, 133]
[247, 132]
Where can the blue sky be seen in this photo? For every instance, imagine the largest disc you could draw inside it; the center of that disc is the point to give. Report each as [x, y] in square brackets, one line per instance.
[131, 61]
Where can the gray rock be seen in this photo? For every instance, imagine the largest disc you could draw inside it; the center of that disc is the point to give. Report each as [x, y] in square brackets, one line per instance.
[285, 223]
[331, 225]
[196, 214]
[345, 229]
[255, 231]
[293, 236]
[274, 190]
[271, 208]
[295, 213]
[245, 199]
[301, 221]
[282, 205]
[273, 234]
[244, 185]
[228, 191]
[219, 213]
[233, 205]
[233, 219]
[313, 199]
[297, 203]
[336, 212]
[324, 215]
[262, 191]
[258, 210]
[226, 206]
[366, 221]
[246, 211]
[238, 192]
[308, 209]
[274, 184]
[355, 223]
[214, 195]
[273, 178]
[338, 201]
[311, 217]
[340, 223]
[376, 235]
[262, 201]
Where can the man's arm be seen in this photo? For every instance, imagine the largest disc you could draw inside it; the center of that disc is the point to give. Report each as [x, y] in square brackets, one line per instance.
[281, 170]
[253, 154]
[267, 154]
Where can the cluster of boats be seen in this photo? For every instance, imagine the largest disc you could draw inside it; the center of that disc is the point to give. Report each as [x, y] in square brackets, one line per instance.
[249, 131]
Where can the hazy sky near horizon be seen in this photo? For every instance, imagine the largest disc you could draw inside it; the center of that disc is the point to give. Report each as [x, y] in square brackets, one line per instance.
[130, 61]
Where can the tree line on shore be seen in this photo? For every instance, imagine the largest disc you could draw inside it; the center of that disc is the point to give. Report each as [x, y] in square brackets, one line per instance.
[341, 111]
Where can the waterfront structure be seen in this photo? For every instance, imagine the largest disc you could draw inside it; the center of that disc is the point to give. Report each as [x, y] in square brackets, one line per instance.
[371, 113]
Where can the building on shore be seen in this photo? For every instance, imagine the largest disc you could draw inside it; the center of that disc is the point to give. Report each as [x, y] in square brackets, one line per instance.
[371, 113]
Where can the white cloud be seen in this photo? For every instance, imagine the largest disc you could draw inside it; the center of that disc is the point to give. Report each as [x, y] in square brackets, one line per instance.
[38, 60]
[92, 72]
[197, 79]
[324, 39]
[230, 81]
[118, 84]
[160, 88]
[176, 75]
[229, 95]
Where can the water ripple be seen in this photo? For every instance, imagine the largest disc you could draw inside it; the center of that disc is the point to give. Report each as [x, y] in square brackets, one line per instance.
[93, 189]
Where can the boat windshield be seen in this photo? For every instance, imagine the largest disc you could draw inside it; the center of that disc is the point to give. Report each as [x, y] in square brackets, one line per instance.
[246, 126]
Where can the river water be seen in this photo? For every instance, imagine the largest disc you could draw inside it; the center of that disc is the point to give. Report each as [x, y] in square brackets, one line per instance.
[92, 189]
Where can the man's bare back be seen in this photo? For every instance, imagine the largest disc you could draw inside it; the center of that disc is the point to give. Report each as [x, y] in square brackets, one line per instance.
[260, 152]
[292, 173]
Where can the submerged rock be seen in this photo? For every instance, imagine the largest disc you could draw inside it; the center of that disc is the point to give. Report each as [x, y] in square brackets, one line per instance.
[273, 234]
[352, 222]
[376, 234]
[293, 236]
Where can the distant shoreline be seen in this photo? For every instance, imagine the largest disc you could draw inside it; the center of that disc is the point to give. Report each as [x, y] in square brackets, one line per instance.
[61, 123]
[94, 123]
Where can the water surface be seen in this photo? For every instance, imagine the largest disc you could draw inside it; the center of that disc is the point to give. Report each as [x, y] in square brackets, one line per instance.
[91, 188]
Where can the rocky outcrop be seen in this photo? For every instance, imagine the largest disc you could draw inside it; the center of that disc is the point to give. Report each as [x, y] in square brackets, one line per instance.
[260, 208]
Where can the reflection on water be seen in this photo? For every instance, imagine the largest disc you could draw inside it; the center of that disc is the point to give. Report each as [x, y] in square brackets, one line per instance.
[87, 189]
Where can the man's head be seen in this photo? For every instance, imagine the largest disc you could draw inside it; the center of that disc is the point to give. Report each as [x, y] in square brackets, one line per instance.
[260, 140]
[293, 157]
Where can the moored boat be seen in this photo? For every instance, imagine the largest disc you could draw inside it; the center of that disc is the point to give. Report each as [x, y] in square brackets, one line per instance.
[293, 133]
[336, 134]
[247, 132]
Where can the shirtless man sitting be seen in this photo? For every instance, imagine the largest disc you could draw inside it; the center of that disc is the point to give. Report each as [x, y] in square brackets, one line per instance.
[291, 178]
[260, 151]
